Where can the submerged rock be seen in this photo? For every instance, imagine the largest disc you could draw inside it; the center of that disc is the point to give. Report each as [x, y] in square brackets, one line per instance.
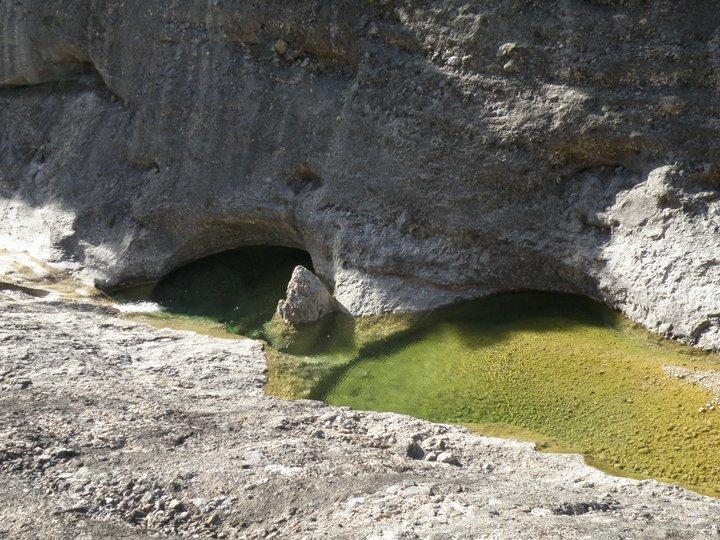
[307, 299]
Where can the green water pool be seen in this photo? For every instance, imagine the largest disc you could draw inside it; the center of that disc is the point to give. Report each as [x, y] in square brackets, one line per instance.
[560, 370]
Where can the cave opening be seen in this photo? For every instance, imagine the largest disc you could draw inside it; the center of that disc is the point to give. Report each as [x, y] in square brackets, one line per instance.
[238, 288]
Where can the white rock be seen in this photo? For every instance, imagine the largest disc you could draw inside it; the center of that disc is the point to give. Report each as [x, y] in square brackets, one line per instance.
[414, 491]
[447, 457]
[507, 49]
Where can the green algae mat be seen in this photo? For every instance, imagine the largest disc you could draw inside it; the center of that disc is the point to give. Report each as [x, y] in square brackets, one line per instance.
[557, 369]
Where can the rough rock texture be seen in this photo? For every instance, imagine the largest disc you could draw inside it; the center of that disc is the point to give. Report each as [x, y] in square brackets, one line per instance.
[421, 151]
[111, 429]
[710, 380]
[307, 299]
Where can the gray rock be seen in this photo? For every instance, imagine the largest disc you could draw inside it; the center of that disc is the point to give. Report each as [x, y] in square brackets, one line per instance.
[151, 145]
[307, 301]
[447, 457]
[511, 66]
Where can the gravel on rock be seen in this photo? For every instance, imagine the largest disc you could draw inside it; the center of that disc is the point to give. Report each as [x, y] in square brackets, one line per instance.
[128, 431]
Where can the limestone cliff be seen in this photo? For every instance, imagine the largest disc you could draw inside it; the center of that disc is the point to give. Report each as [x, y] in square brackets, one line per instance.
[421, 151]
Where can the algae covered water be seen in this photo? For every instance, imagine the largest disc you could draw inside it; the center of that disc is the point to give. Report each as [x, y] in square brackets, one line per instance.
[557, 369]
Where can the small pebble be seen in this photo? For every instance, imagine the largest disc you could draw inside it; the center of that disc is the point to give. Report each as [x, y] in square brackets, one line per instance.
[507, 49]
[510, 67]
[281, 46]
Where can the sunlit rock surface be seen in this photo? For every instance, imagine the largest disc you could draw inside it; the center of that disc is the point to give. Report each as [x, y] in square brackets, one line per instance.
[421, 152]
[113, 429]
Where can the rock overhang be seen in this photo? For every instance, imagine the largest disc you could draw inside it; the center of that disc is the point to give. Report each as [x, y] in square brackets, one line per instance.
[413, 180]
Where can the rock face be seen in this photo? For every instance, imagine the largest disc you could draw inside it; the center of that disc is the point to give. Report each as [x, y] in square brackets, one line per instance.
[421, 151]
[307, 301]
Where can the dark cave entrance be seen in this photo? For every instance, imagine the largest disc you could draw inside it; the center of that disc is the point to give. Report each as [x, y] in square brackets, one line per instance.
[238, 288]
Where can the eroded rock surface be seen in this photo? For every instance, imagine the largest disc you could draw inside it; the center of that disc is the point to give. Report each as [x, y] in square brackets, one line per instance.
[422, 151]
[112, 429]
[307, 299]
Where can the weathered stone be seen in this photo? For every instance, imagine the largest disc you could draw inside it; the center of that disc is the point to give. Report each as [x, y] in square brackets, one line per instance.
[164, 134]
[507, 49]
[511, 67]
[447, 457]
[307, 300]
[281, 46]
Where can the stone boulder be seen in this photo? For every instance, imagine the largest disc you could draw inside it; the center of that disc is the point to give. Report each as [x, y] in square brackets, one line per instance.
[308, 299]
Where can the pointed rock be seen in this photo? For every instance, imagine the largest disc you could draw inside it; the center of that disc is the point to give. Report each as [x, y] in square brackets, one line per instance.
[307, 299]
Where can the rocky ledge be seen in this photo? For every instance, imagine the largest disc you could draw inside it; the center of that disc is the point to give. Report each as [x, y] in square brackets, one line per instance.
[111, 428]
[421, 151]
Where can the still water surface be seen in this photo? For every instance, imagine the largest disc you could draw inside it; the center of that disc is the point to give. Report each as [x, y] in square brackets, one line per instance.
[556, 369]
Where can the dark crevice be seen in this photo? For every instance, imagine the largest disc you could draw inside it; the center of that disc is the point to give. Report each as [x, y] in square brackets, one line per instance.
[146, 164]
[75, 77]
[304, 179]
[713, 319]
[36, 293]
